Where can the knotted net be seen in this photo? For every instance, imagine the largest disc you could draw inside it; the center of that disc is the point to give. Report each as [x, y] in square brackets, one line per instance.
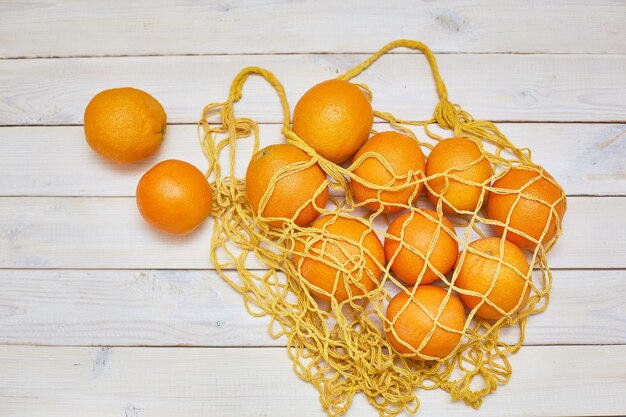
[341, 348]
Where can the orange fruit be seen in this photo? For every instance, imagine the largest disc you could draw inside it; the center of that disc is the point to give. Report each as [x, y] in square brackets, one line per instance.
[528, 216]
[345, 254]
[291, 192]
[406, 160]
[174, 197]
[124, 124]
[419, 232]
[463, 159]
[476, 273]
[412, 323]
[335, 118]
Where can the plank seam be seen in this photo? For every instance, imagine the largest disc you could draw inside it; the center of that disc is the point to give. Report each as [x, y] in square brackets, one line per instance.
[219, 54]
[249, 346]
[507, 121]
[253, 269]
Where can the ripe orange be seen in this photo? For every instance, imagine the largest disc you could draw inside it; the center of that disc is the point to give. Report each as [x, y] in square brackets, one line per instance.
[419, 232]
[174, 197]
[406, 160]
[461, 158]
[333, 263]
[527, 216]
[477, 273]
[413, 323]
[335, 118]
[291, 192]
[124, 124]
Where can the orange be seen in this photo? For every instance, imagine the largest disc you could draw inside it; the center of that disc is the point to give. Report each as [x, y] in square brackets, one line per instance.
[124, 124]
[174, 197]
[345, 254]
[463, 159]
[476, 273]
[335, 118]
[528, 216]
[291, 192]
[404, 156]
[413, 323]
[419, 231]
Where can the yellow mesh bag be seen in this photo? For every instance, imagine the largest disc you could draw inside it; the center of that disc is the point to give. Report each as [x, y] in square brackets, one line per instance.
[341, 348]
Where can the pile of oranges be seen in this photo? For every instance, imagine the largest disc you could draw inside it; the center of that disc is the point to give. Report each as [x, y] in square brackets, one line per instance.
[341, 258]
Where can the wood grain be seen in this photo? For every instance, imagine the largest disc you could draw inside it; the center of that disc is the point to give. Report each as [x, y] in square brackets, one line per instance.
[116, 282]
[60, 163]
[69, 28]
[159, 382]
[494, 87]
[53, 232]
[198, 308]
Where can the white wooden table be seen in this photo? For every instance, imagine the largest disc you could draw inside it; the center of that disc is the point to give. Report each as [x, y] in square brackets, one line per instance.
[101, 316]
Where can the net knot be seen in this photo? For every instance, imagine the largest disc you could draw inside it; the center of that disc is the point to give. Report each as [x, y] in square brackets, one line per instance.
[448, 115]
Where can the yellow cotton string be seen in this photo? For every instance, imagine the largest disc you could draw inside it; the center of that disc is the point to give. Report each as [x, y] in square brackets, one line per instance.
[341, 348]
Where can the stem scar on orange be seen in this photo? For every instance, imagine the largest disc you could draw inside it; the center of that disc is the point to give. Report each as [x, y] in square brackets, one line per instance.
[174, 197]
[292, 194]
[499, 287]
[534, 202]
[412, 328]
[124, 124]
[345, 259]
[457, 169]
[335, 118]
[405, 160]
[406, 247]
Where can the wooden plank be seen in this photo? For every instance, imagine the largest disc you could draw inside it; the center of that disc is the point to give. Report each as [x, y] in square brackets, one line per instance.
[198, 308]
[495, 87]
[68, 28]
[594, 166]
[56, 232]
[119, 307]
[155, 382]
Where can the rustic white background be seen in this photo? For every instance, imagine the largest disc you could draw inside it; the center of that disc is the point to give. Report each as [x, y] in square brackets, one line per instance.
[101, 316]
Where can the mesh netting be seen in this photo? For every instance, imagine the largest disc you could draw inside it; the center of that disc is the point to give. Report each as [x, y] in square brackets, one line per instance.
[339, 345]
